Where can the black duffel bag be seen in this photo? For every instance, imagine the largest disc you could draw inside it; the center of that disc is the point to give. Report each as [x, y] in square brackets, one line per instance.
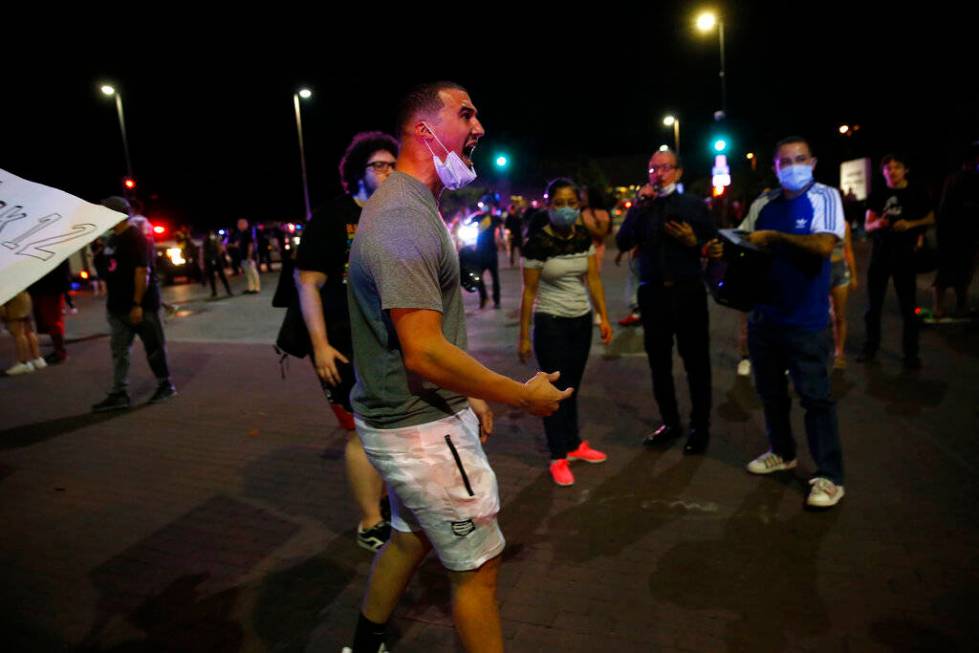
[739, 280]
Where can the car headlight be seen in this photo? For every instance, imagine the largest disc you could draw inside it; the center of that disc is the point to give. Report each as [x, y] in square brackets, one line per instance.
[176, 255]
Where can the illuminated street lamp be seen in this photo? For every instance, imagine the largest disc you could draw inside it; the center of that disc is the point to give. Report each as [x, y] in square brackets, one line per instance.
[705, 23]
[110, 91]
[305, 94]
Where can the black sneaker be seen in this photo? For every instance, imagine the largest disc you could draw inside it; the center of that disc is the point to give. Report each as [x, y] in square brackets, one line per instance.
[374, 537]
[112, 401]
[56, 358]
[163, 392]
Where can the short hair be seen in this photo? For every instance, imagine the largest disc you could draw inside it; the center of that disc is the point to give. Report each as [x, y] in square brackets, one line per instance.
[353, 164]
[422, 98]
[887, 158]
[676, 157]
[557, 184]
[116, 203]
[787, 141]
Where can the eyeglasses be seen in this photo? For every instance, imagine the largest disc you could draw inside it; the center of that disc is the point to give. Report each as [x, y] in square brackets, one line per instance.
[666, 167]
[381, 166]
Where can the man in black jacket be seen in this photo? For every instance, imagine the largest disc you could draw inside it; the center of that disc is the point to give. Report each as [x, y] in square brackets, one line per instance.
[670, 230]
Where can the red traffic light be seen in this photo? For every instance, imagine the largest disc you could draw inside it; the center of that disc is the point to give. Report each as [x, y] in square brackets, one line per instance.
[129, 183]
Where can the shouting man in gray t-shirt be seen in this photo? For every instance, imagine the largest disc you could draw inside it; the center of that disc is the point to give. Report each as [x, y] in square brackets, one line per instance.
[420, 399]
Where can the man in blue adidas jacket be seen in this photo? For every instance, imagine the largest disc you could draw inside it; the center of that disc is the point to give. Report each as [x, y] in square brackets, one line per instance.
[799, 223]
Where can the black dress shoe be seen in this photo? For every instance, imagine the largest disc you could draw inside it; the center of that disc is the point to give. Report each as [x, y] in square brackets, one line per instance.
[696, 442]
[664, 433]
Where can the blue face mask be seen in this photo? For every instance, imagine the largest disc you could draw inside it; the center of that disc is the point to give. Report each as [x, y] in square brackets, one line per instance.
[563, 217]
[795, 177]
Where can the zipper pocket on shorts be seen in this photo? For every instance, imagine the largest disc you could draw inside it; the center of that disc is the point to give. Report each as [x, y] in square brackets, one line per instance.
[462, 470]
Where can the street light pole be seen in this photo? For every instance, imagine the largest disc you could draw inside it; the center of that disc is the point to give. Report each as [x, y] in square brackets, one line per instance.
[705, 23]
[720, 32]
[109, 90]
[675, 122]
[305, 93]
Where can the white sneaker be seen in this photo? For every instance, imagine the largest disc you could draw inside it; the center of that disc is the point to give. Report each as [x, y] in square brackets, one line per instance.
[20, 368]
[824, 493]
[744, 367]
[39, 363]
[770, 462]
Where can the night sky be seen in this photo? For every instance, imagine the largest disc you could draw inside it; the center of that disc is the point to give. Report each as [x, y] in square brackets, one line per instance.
[208, 102]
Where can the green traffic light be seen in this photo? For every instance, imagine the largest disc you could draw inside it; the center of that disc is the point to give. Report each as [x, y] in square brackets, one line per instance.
[502, 161]
[720, 145]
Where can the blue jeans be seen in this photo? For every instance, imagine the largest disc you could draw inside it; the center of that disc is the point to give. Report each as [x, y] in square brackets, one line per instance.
[806, 355]
[561, 344]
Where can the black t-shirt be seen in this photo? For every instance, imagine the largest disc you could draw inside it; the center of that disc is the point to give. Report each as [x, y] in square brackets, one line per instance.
[908, 203]
[246, 238]
[325, 247]
[124, 253]
[514, 225]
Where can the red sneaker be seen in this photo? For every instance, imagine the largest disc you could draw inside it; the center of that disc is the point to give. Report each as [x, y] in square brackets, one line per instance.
[630, 320]
[586, 453]
[561, 472]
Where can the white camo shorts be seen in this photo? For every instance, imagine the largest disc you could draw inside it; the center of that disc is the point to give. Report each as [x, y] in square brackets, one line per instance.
[440, 482]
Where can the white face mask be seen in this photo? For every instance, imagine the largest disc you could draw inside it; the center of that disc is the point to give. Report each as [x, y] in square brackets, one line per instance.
[453, 172]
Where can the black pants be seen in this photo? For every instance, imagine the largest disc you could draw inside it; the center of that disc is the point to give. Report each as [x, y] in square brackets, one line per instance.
[561, 344]
[883, 266]
[491, 264]
[150, 331]
[678, 311]
[216, 267]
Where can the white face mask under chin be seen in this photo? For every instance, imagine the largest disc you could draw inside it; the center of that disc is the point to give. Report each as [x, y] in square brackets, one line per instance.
[453, 172]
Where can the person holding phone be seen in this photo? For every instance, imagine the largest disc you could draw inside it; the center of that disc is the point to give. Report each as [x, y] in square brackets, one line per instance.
[671, 230]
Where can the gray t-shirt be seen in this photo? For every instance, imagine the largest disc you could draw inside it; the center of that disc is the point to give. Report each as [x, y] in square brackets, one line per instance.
[402, 257]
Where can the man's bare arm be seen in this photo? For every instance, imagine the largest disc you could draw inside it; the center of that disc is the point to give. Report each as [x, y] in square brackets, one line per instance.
[820, 244]
[427, 353]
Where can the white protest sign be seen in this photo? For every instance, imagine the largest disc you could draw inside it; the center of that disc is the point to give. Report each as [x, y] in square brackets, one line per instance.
[40, 227]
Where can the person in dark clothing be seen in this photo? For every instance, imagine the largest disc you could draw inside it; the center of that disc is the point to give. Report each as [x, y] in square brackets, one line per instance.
[264, 248]
[897, 217]
[670, 230]
[513, 224]
[487, 245]
[133, 308]
[957, 234]
[47, 297]
[322, 263]
[214, 262]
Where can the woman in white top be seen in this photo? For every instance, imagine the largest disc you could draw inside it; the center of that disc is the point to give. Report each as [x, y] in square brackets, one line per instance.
[560, 272]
